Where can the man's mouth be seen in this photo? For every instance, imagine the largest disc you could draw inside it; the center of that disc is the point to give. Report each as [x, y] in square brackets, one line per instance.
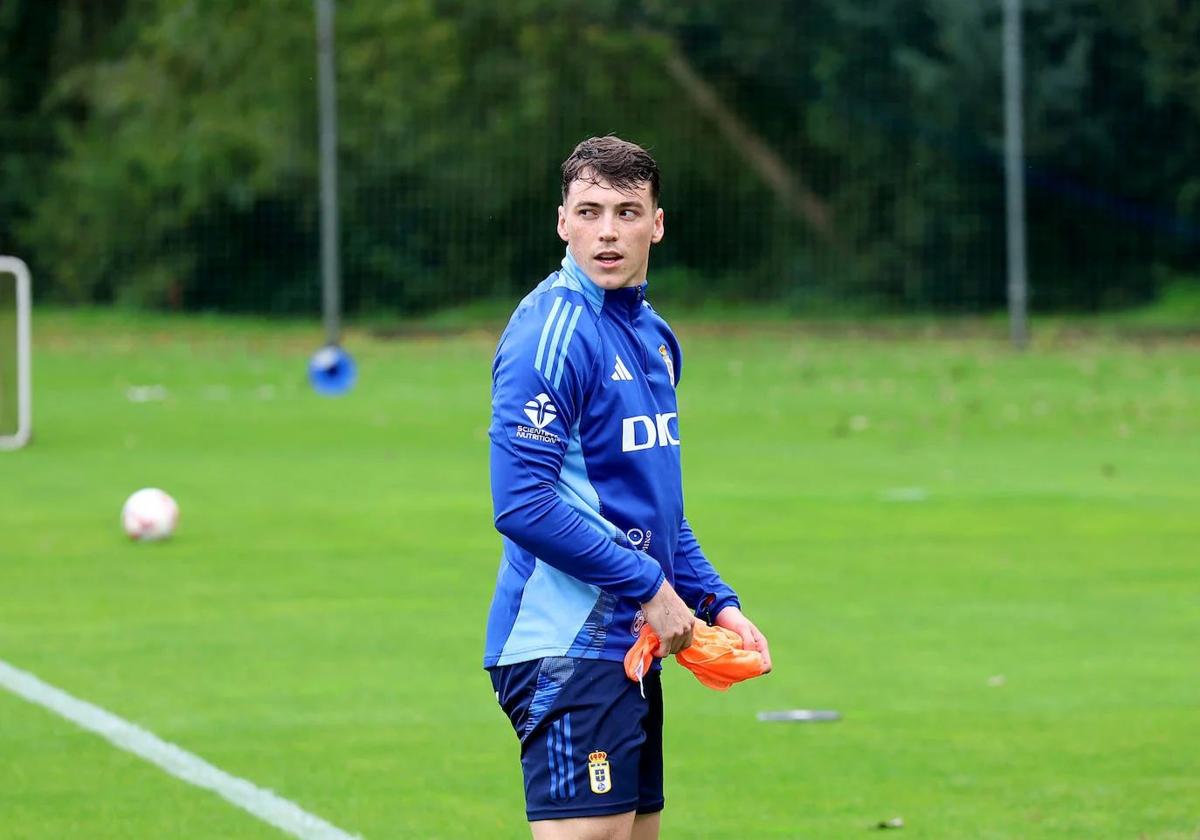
[608, 258]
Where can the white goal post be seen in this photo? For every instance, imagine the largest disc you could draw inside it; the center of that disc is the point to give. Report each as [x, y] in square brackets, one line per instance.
[15, 438]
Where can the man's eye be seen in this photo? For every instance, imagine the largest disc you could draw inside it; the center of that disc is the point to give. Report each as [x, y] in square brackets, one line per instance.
[587, 213]
[629, 214]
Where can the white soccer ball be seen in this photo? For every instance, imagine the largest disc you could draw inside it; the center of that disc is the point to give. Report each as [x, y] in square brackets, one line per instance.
[149, 514]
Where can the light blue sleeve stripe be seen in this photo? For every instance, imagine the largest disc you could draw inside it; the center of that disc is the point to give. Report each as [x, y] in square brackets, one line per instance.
[551, 350]
[566, 343]
[537, 361]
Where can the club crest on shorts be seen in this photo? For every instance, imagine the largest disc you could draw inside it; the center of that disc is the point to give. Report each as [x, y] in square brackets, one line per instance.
[599, 773]
[668, 361]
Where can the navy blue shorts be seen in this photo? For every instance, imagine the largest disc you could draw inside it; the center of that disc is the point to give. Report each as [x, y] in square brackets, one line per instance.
[590, 744]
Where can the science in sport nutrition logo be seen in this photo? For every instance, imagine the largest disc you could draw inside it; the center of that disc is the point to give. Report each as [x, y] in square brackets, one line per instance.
[541, 413]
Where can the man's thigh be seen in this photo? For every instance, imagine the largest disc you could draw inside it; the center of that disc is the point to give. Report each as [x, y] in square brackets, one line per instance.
[611, 827]
[615, 827]
[591, 745]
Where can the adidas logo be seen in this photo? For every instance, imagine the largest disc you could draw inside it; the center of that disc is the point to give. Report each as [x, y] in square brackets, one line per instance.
[621, 373]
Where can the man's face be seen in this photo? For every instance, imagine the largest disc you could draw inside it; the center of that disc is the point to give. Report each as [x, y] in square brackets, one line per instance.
[610, 232]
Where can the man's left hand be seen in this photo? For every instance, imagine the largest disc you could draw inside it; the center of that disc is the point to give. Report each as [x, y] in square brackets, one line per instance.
[731, 618]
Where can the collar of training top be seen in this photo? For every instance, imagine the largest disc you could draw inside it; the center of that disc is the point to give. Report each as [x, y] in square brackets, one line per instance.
[628, 299]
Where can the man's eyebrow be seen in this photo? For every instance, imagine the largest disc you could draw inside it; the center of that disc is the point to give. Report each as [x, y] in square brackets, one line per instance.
[628, 203]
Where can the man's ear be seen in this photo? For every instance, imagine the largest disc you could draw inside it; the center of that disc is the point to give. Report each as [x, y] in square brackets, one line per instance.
[658, 226]
[562, 224]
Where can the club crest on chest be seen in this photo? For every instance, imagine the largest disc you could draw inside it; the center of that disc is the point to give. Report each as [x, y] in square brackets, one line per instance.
[668, 361]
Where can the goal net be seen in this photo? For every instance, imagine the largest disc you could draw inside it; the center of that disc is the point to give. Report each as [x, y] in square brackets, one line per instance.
[15, 391]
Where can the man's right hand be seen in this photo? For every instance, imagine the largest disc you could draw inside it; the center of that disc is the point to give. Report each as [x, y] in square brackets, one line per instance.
[671, 620]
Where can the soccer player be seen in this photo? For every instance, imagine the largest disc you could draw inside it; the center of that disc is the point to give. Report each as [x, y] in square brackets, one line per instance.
[586, 486]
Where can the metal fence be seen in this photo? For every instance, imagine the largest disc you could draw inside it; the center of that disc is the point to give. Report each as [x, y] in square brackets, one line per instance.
[816, 157]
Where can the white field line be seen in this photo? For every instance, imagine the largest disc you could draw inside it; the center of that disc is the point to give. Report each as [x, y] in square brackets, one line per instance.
[267, 806]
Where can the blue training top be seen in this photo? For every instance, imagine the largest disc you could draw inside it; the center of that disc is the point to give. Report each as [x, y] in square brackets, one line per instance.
[585, 475]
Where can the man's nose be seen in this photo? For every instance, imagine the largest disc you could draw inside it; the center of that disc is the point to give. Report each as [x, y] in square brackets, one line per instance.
[608, 230]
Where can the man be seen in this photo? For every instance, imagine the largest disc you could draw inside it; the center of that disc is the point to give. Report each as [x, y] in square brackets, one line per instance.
[587, 493]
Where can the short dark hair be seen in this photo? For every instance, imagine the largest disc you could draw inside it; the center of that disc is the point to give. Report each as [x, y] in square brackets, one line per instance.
[624, 165]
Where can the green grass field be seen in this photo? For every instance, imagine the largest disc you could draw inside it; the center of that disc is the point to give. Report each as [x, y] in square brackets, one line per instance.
[989, 563]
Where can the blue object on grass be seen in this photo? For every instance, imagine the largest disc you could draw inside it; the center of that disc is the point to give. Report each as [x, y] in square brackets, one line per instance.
[331, 371]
